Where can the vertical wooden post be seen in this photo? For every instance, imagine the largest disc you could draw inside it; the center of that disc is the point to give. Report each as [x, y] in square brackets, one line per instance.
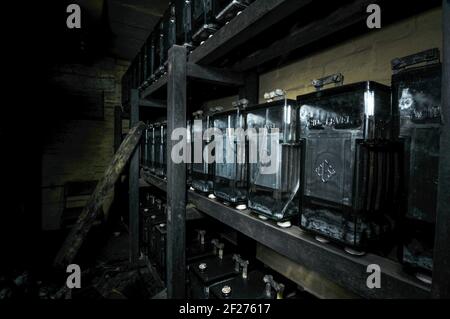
[134, 184]
[117, 127]
[441, 261]
[176, 176]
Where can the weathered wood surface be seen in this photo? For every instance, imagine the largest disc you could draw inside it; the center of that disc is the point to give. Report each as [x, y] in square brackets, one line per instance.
[441, 261]
[105, 186]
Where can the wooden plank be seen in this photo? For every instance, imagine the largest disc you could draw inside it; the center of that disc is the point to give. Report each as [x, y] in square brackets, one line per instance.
[441, 260]
[176, 176]
[133, 188]
[160, 104]
[74, 240]
[258, 17]
[149, 91]
[214, 75]
[327, 260]
[344, 17]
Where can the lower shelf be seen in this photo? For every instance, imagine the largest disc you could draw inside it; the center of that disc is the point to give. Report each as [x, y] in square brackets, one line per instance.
[329, 261]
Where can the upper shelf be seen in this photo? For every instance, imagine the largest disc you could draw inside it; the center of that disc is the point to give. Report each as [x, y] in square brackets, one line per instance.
[273, 32]
[208, 76]
[260, 16]
[330, 261]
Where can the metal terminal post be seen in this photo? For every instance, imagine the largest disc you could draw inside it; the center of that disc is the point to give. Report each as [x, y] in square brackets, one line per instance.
[240, 104]
[337, 79]
[197, 114]
[215, 109]
[201, 236]
[275, 95]
[218, 248]
[241, 263]
[272, 284]
[152, 200]
[159, 204]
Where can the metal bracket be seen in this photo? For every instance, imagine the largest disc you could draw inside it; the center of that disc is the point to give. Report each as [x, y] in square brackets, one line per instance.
[275, 95]
[241, 263]
[241, 104]
[197, 114]
[218, 248]
[337, 79]
[428, 56]
[272, 284]
[201, 236]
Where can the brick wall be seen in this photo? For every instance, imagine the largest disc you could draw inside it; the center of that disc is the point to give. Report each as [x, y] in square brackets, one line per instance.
[78, 148]
[366, 57]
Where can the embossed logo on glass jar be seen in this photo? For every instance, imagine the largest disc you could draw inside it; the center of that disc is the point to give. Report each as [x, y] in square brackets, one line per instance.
[325, 171]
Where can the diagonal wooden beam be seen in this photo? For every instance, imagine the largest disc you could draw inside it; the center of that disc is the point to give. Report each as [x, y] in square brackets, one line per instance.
[78, 234]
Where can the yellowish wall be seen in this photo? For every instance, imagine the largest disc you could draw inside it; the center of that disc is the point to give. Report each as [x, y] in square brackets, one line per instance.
[366, 57]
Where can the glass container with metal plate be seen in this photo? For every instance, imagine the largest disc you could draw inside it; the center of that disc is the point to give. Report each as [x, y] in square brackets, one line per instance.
[156, 216]
[160, 138]
[151, 148]
[158, 38]
[204, 22]
[144, 149]
[416, 92]
[274, 158]
[167, 38]
[150, 59]
[202, 168]
[183, 11]
[189, 152]
[352, 165]
[161, 238]
[228, 9]
[230, 168]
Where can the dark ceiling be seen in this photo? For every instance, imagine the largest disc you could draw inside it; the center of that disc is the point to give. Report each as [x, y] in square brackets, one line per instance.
[131, 21]
[115, 28]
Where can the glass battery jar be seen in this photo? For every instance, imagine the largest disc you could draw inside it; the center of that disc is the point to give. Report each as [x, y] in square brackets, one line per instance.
[274, 158]
[351, 167]
[230, 168]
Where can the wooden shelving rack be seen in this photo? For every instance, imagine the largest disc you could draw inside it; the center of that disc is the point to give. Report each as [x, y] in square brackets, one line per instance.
[217, 63]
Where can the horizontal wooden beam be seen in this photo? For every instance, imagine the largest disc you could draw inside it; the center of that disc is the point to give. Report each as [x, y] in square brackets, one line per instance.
[160, 104]
[161, 83]
[214, 75]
